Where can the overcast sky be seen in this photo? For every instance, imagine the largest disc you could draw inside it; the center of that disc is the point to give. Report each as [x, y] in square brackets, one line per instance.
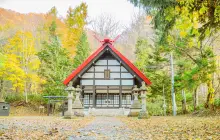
[122, 10]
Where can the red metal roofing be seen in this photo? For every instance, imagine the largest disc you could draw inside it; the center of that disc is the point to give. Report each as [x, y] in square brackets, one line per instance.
[91, 57]
[84, 64]
[135, 69]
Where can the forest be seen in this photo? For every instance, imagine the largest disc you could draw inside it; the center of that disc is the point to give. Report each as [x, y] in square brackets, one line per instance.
[174, 43]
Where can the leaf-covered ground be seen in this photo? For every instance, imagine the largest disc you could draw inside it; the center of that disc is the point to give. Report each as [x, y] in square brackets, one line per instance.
[110, 128]
[39, 128]
[159, 128]
[26, 110]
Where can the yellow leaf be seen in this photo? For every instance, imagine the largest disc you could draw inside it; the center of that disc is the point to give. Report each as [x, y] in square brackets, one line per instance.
[182, 34]
[195, 25]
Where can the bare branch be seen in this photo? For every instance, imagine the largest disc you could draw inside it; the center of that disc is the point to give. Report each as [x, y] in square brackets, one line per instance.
[106, 26]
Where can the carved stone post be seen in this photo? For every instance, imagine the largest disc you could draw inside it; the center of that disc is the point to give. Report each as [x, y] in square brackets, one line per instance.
[143, 113]
[68, 114]
[136, 106]
[77, 105]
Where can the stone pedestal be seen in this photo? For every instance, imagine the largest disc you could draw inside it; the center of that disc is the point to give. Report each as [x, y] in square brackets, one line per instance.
[121, 112]
[92, 111]
[89, 111]
[78, 109]
[136, 106]
[69, 114]
[143, 113]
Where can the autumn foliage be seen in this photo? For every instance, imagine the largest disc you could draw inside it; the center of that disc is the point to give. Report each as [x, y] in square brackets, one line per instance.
[23, 36]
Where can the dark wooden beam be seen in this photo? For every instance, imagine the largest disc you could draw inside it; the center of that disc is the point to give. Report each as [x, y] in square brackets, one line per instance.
[110, 72]
[120, 89]
[108, 79]
[93, 95]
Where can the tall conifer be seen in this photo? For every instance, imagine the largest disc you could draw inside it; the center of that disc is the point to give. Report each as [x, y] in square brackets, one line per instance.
[82, 50]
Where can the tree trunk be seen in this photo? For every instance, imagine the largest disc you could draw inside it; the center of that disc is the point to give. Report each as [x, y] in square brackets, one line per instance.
[25, 92]
[1, 90]
[210, 97]
[17, 88]
[184, 102]
[195, 99]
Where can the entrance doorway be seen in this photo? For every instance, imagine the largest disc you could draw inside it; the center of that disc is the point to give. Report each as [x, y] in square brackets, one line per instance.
[104, 100]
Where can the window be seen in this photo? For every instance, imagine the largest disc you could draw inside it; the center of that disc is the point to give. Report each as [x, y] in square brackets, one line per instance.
[126, 100]
[87, 100]
[107, 74]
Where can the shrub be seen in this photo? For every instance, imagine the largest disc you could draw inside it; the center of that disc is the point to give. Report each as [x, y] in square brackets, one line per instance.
[11, 98]
[200, 106]
[34, 99]
[37, 99]
[189, 97]
[155, 106]
[217, 102]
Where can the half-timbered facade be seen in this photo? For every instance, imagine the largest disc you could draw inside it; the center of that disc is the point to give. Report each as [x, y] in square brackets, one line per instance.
[107, 78]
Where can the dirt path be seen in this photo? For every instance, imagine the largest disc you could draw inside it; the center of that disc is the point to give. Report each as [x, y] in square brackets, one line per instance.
[105, 128]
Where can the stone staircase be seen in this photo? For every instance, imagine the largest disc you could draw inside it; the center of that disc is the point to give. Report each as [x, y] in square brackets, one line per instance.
[106, 112]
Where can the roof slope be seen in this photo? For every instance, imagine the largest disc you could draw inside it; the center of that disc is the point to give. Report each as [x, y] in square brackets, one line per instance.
[135, 69]
[91, 57]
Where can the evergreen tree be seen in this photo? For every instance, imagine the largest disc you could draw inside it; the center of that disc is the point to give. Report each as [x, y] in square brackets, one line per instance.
[150, 61]
[55, 64]
[187, 28]
[82, 50]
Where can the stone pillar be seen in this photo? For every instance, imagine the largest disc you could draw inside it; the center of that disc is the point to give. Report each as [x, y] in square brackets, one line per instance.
[68, 114]
[77, 105]
[143, 113]
[136, 106]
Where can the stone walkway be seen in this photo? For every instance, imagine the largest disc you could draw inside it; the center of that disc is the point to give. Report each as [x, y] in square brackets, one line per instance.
[104, 128]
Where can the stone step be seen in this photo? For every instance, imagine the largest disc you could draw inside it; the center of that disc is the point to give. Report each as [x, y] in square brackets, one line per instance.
[106, 112]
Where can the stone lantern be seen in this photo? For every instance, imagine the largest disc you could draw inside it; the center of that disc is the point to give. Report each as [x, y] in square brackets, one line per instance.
[70, 89]
[136, 106]
[143, 113]
[77, 105]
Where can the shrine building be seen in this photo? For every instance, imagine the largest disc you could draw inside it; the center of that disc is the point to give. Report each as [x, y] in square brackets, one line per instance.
[107, 78]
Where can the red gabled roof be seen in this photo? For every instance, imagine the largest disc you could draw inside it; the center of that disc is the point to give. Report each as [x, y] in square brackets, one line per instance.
[83, 65]
[91, 57]
[135, 69]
